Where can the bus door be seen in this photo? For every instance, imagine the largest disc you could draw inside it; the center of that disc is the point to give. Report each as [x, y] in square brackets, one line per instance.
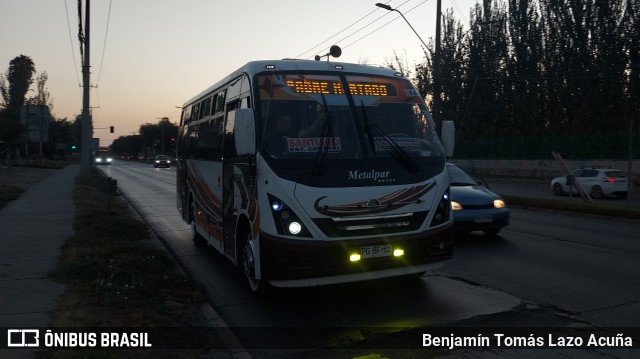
[229, 208]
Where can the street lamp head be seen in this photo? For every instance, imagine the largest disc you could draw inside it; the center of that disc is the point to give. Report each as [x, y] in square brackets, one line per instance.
[384, 6]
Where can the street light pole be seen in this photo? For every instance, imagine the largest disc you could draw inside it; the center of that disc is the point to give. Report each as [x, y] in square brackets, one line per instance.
[162, 122]
[85, 128]
[389, 8]
[436, 57]
[437, 86]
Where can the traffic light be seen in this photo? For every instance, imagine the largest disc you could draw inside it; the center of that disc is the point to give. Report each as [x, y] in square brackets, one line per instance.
[111, 129]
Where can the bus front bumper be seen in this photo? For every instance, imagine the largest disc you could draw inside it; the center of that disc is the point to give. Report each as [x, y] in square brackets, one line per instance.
[308, 262]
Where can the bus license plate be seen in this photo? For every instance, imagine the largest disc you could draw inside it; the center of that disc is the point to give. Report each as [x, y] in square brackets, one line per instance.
[383, 250]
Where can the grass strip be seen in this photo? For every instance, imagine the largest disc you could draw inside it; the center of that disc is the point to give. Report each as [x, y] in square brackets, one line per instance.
[116, 277]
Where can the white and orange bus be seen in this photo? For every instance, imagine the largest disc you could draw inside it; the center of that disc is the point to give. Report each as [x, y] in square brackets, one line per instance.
[307, 173]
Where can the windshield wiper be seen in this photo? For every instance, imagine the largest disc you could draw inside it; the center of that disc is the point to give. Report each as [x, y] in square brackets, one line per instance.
[368, 127]
[326, 132]
[397, 152]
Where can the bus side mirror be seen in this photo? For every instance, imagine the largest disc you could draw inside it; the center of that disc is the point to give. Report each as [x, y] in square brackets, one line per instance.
[448, 137]
[244, 131]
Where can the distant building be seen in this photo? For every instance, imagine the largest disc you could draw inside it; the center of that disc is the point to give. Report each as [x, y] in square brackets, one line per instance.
[36, 120]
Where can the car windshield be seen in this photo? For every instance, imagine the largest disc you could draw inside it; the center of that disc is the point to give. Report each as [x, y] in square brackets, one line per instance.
[161, 158]
[458, 177]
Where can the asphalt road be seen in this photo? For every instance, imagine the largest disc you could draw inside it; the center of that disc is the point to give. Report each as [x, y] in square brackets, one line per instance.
[545, 269]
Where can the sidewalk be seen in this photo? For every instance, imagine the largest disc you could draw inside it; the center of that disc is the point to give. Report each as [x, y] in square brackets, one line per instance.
[32, 230]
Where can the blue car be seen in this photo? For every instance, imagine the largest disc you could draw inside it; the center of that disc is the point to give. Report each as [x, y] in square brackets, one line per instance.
[475, 207]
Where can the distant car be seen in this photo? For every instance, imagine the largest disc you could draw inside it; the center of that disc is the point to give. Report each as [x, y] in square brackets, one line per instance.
[161, 161]
[597, 182]
[103, 159]
[475, 207]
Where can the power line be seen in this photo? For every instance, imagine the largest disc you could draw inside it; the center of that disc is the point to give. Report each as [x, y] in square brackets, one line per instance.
[380, 27]
[343, 30]
[75, 63]
[104, 45]
[462, 15]
[363, 27]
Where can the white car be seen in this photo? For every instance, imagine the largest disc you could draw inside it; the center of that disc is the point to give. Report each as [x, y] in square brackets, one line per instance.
[597, 182]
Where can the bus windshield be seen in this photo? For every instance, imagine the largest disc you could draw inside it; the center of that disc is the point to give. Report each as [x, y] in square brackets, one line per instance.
[344, 117]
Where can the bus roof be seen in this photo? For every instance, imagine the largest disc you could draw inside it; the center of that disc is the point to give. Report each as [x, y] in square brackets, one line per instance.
[253, 67]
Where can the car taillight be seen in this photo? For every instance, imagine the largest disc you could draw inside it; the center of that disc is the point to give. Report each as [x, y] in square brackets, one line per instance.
[609, 179]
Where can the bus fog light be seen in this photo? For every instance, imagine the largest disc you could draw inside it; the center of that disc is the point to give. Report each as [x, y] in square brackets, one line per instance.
[354, 257]
[295, 227]
[398, 252]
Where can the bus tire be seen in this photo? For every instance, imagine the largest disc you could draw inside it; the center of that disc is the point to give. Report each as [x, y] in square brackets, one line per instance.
[197, 238]
[248, 265]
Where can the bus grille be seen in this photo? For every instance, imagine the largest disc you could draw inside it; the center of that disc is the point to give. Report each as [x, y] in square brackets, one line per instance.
[369, 226]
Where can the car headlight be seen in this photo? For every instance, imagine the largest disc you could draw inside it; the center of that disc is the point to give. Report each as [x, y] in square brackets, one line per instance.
[456, 206]
[498, 203]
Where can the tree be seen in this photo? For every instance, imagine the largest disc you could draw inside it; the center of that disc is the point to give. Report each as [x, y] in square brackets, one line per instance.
[62, 131]
[14, 86]
[159, 135]
[42, 97]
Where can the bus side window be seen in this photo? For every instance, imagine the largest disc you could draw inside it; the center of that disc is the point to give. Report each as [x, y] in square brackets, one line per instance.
[186, 115]
[195, 111]
[216, 139]
[205, 108]
[191, 141]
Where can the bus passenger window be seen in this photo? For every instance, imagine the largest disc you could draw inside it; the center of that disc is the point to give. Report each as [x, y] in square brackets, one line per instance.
[219, 102]
[205, 108]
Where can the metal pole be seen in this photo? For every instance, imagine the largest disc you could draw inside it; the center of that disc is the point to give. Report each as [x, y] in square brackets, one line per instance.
[437, 86]
[86, 131]
[630, 163]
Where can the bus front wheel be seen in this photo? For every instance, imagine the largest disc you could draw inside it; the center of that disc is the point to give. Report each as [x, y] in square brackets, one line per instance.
[258, 286]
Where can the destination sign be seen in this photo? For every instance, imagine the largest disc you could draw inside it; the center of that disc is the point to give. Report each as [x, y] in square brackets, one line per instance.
[335, 88]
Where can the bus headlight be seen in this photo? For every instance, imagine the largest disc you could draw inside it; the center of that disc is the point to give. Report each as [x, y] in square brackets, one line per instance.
[295, 227]
[285, 219]
[443, 210]
[276, 205]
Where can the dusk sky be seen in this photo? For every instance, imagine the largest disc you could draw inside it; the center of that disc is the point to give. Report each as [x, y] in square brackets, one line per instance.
[149, 56]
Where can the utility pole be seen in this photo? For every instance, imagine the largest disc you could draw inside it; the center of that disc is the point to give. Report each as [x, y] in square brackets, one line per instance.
[437, 85]
[86, 130]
